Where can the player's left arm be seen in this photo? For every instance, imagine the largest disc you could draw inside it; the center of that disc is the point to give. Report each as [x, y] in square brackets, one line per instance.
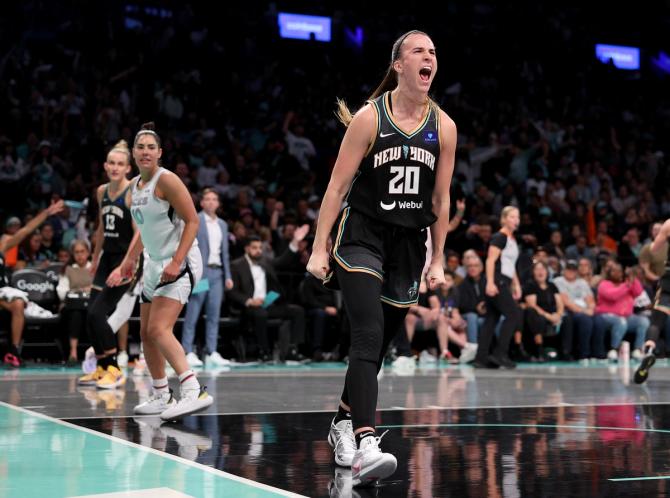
[441, 200]
[175, 192]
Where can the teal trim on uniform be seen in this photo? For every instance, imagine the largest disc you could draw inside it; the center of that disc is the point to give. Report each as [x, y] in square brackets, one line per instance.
[42, 456]
[393, 302]
[340, 259]
[390, 120]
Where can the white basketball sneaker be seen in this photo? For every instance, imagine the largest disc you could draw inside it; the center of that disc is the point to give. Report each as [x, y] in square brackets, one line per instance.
[341, 438]
[192, 401]
[156, 404]
[370, 464]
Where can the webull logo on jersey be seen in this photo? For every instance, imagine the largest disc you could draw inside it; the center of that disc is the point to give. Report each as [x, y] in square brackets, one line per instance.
[412, 153]
[401, 205]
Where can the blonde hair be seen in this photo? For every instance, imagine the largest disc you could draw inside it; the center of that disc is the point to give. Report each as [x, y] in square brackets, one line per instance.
[122, 147]
[506, 211]
[389, 82]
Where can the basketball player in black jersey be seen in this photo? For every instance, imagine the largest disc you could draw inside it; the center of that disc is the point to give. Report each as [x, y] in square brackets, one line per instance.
[660, 309]
[393, 171]
[112, 237]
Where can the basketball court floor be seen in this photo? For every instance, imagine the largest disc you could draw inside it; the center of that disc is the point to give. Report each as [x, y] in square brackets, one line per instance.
[552, 430]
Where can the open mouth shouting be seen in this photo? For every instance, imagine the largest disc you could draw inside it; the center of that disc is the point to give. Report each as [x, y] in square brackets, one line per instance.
[425, 73]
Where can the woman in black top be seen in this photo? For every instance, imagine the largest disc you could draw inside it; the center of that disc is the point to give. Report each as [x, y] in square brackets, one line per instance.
[544, 307]
[502, 292]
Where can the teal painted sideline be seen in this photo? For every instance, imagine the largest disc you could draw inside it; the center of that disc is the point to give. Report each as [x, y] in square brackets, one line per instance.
[41, 457]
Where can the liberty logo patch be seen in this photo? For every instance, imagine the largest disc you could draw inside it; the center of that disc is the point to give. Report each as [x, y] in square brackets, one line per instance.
[405, 151]
[413, 291]
[429, 136]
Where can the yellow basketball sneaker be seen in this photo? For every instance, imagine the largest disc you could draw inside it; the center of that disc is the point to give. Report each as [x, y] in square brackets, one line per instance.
[92, 378]
[112, 378]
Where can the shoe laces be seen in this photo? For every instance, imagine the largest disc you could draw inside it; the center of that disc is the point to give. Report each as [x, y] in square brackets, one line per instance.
[158, 396]
[375, 446]
[346, 438]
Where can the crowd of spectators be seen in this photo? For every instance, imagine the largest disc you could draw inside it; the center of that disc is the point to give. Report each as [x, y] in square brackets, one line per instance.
[576, 144]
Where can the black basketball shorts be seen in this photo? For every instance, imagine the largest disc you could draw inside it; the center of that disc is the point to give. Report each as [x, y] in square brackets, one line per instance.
[395, 255]
[662, 300]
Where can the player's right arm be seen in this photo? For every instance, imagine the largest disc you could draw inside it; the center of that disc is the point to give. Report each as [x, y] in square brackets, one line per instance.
[662, 236]
[355, 144]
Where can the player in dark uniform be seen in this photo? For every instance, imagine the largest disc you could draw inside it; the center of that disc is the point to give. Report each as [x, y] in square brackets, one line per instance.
[660, 309]
[394, 171]
[112, 237]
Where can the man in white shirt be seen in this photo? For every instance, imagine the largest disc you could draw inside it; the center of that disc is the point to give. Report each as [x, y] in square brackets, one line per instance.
[579, 305]
[213, 244]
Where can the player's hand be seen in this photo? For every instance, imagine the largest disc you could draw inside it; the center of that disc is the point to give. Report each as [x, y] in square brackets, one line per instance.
[435, 275]
[318, 264]
[170, 272]
[491, 289]
[55, 207]
[229, 284]
[118, 275]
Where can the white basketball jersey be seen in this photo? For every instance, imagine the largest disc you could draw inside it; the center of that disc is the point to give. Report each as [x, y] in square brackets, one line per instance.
[159, 225]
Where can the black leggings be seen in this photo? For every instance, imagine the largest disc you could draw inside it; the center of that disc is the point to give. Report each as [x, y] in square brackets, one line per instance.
[658, 319]
[101, 305]
[373, 326]
[501, 304]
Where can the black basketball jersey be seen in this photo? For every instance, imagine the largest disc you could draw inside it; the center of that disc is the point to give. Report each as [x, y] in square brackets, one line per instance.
[395, 179]
[117, 223]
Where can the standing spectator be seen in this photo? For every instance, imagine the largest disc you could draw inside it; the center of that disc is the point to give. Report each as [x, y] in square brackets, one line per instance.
[579, 303]
[614, 311]
[213, 244]
[74, 289]
[299, 146]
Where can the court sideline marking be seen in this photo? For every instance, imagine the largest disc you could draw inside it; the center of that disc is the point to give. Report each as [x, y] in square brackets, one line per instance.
[190, 463]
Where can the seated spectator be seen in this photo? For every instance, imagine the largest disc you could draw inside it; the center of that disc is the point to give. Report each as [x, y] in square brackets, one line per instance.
[8, 299]
[254, 280]
[614, 312]
[544, 311]
[453, 264]
[629, 248]
[320, 304]
[555, 245]
[456, 325]
[74, 289]
[29, 253]
[470, 303]
[585, 272]
[48, 247]
[12, 226]
[580, 250]
[579, 303]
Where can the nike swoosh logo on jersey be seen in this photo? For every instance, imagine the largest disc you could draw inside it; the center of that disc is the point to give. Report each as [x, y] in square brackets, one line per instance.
[383, 135]
[387, 207]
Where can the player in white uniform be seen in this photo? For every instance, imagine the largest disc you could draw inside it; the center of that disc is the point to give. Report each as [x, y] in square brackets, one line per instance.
[166, 218]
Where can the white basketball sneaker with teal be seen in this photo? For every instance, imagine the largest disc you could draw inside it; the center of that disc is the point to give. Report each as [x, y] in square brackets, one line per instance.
[341, 438]
[192, 401]
[157, 403]
[370, 464]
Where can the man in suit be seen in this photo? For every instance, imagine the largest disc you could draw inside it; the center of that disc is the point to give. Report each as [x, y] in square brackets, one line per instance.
[213, 243]
[253, 280]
